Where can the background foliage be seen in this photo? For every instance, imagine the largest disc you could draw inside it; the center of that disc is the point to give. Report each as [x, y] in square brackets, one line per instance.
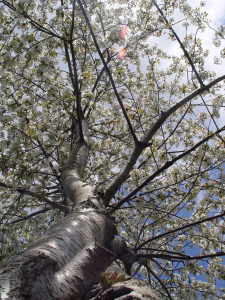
[174, 186]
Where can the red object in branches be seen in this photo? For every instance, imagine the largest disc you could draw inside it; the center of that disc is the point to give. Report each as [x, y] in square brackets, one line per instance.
[123, 31]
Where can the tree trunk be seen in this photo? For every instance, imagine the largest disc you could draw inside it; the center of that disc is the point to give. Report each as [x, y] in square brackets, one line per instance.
[66, 262]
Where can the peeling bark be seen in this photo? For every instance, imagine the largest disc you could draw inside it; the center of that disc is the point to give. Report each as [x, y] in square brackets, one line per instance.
[68, 259]
[36, 276]
[65, 262]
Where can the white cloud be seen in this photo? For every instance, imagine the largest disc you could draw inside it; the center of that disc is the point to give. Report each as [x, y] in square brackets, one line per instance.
[215, 9]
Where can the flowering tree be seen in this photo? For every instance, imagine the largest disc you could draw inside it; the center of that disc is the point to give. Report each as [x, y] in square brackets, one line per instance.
[112, 152]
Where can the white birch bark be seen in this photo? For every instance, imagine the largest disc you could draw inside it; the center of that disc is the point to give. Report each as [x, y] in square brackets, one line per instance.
[68, 259]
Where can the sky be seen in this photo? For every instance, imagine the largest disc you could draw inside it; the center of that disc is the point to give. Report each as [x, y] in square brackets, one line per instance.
[216, 14]
[215, 9]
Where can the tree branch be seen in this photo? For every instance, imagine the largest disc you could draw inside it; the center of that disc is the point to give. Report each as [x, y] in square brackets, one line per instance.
[159, 280]
[69, 65]
[181, 228]
[38, 196]
[167, 165]
[180, 43]
[162, 250]
[180, 258]
[30, 216]
[34, 23]
[178, 105]
[75, 75]
[114, 186]
[109, 73]
[77, 92]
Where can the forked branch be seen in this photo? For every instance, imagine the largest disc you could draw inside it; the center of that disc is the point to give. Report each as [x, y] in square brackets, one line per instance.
[114, 186]
[167, 165]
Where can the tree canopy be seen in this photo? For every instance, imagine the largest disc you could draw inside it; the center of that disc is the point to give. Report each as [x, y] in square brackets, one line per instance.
[156, 153]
